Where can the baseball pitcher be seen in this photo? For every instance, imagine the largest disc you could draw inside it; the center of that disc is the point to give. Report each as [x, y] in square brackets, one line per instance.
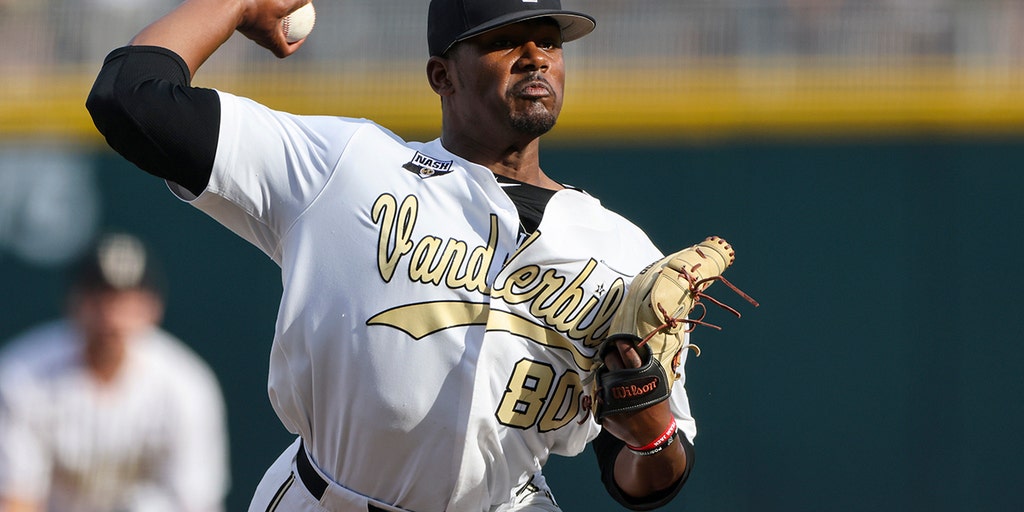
[446, 304]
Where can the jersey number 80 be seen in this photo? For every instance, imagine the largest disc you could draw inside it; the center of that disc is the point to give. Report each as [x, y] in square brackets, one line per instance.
[529, 401]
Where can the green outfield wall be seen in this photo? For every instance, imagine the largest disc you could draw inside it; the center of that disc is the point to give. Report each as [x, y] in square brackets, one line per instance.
[883, 370]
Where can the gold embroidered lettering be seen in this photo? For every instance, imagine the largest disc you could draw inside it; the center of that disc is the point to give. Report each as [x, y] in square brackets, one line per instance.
[396, 222]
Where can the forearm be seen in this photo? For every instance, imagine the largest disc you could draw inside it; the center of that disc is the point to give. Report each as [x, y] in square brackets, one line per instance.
[640, 476]
[194, 30]
[197, 28]
[623, 476]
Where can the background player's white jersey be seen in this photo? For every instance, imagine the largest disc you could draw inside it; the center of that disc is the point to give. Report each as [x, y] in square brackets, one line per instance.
[152, 440]
[430, 357]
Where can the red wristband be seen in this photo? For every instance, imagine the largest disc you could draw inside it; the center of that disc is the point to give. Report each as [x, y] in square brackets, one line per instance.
[660, 443]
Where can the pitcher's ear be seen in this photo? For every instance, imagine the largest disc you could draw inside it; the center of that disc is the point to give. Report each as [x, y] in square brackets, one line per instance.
[439, 76]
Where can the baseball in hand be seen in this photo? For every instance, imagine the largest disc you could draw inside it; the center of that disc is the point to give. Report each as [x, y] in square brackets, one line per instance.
[299, 24]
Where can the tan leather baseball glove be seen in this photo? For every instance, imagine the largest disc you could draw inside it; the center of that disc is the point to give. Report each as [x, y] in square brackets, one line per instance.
[654, 317]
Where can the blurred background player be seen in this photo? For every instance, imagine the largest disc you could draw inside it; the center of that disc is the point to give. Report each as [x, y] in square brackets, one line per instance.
[103, 411]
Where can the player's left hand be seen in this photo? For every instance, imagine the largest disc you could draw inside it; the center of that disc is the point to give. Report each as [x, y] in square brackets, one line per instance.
[639, 427]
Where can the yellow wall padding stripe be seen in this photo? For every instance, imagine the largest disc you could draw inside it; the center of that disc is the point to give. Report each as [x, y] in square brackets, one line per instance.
[631, 103]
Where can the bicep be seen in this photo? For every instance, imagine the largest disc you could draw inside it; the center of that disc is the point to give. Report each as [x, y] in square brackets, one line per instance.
[143, 104]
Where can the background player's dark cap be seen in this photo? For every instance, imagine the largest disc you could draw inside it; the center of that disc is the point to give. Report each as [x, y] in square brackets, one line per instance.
[451, 21]
[117, 261]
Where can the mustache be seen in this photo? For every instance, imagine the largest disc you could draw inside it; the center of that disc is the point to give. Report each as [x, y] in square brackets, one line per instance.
[531, 80]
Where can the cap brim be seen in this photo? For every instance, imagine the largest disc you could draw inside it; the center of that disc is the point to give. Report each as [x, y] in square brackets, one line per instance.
[574, 24]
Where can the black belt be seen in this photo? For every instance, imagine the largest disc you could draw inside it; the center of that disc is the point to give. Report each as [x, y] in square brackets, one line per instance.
[312, 480]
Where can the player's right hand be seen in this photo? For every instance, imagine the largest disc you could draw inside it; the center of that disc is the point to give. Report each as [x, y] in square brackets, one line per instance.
[261, 22]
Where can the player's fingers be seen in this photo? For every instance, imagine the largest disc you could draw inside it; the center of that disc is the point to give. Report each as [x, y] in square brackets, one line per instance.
[627, 352]
[276, 43]
[624, 357]
[613, 360]
[262, 23]
[290, 48]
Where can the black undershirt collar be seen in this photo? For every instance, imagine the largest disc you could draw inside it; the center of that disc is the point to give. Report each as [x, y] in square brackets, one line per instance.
[529, 199]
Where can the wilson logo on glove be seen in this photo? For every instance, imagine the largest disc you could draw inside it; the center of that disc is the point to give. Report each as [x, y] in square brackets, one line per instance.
[633, 391]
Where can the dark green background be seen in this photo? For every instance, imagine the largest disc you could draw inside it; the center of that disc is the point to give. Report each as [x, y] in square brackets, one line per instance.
[881, 372]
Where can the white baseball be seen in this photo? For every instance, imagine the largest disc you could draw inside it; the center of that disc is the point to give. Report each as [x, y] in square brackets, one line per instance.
[299, 24]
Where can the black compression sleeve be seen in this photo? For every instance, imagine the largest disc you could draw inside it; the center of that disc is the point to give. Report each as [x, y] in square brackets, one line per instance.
[143, 104]
[607, 448]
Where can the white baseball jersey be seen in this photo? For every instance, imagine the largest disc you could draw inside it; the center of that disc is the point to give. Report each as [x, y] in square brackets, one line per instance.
[429, 357]
[153, 440]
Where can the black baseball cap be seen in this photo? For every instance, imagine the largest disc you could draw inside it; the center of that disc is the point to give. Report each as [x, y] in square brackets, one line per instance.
[117, 261]
[451, 21]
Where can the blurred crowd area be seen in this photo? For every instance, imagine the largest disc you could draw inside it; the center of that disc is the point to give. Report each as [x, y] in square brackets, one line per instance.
[663, 68]
[70, 32]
